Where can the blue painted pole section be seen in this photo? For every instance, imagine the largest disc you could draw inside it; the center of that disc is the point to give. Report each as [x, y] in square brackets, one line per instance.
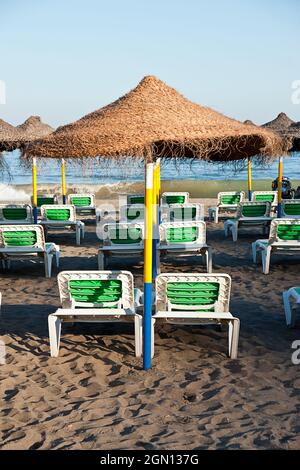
[279, 210]
[64, 199]
[250, 195]
[147, 327]
[35, 214]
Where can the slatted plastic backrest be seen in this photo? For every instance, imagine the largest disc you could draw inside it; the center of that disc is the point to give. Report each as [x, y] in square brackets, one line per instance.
[125, 235]
[230, 199]
[19, 238]
[181, 234]
[193, 293]
[183, 213]
[58, 214]
[14, 213]
[81, 201]
[136, 199]
[253, 210]
[175, 199]
[43, 200]
[291, 209]
[96, 291]
[264, 197]
[288, 232]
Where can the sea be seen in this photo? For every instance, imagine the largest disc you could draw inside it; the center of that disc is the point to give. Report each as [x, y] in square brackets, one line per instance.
[107, 178]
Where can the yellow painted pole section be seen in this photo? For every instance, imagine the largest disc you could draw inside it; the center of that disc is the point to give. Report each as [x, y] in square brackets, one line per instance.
[249, 179]
[34, 186]
[63, 180]
[148, 224]
[280, 180]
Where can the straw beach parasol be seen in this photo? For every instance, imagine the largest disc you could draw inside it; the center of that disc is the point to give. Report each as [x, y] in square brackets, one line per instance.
[12, 138]
[154, 120]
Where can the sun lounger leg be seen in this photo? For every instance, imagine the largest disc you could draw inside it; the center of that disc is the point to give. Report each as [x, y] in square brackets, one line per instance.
[157, 261]
[78, 232]
[48, 264]
[254, 252]
[227, 227]
[234, 231]
[54, 324]
[82, 230]
[233, 337]
[101, 261]
[57, 254]
[266, 256]
[216, 215]
[138, 335]
[208, 255]
[290, 314]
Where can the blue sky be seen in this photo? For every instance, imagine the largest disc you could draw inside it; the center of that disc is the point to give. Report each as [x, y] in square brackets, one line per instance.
[63, 59]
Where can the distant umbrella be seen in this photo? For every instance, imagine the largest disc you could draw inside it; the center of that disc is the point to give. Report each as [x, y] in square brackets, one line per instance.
[12, 138]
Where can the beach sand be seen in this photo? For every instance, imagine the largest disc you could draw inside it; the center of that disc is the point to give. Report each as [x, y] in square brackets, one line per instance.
[95, 395]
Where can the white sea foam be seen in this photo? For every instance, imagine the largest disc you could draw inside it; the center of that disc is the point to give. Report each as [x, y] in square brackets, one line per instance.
[9, 193]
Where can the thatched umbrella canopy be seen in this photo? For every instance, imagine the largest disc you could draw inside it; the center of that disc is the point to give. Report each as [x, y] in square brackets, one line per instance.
[154, 120]
[12, 138]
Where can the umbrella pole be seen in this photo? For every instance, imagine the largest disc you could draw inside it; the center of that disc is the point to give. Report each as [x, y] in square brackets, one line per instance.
[34, 191]
[147, 319]
[279, 207]
[155, 218]
[249, 180]
[63, 181]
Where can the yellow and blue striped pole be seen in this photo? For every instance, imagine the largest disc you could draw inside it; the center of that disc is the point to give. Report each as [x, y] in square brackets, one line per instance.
[155, 217]
[63, 181]
[147, 319]
[279, 207]
[249, 180]
[34, 190]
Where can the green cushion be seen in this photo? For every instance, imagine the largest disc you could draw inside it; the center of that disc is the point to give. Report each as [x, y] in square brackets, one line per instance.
[181, 234]
[136, 200]
[126, 236]
[133, 213]
[58, 214]
[254, 210]
[230, 199]
[20, 238]
[291, 209]
[288, 232]
[45, 200]
[193, 293]
[180, 213]
[176, 199]
[95, 291]
[264, 197]
[81, 201]
[14, 213]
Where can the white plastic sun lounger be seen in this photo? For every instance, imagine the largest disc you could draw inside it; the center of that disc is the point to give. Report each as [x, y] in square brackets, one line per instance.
[98, 297]
[84, 203]
[182, 212]
[183, 238]
[249, 214]
[62, 217]
[16, 214]
[196, 299]
[284, 237]
[228, 201]
[23, 242]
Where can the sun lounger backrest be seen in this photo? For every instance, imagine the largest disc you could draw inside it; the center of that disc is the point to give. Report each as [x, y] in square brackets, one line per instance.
[285, 230]
[229, 198]
[183, 232]
[45, 199]
[106, 289]
[291, 208]
[182, 212]
[200, 292]
[11, 212]
[135, 199]
[254, 209]
[22, 236]
[265, 196]
[81, 200]
[175, 197]
[132, 213]
[123, 234]
[59, 213]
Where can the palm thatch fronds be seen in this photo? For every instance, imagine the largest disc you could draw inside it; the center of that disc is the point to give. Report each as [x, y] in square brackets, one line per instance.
[154, 120]
[12, 138]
